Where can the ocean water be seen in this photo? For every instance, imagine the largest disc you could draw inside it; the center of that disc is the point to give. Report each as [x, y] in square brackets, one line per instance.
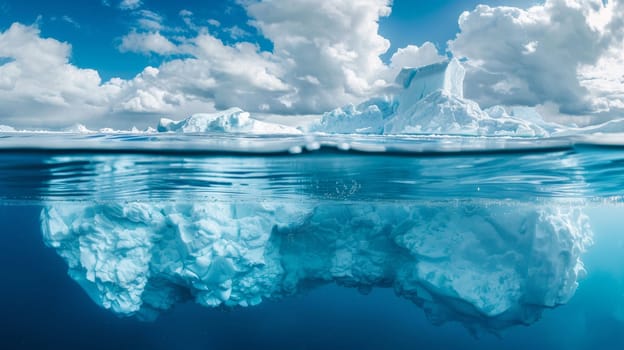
[482, 191]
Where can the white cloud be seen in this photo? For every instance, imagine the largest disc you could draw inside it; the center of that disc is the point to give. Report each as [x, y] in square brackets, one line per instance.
[335, 42]
[66, 19]
[562, 52]
[567, 53]
[147, 43]
[71, 21]
[414, 56]
[213, 22]
[130, 4]
[216, 74]
[185, 13]
[323, 57]
[149, 20]
[236, 32]
[39, 80]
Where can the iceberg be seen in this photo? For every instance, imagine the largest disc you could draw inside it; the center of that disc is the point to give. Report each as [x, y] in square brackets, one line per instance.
[428, 100]
[233, 120]
[485, 266]
[368, 117]
[6, 128]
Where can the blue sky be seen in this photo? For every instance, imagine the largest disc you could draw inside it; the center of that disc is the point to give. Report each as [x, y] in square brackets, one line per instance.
[297, 56]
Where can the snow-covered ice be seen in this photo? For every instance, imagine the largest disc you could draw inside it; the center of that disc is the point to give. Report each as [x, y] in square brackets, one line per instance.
[428, 100]
[233, 120]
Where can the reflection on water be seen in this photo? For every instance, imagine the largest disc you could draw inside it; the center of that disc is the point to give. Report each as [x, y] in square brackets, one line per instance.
[418, 170]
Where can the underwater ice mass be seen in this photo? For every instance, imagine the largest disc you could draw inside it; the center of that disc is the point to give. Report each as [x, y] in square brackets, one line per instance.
[490, 266]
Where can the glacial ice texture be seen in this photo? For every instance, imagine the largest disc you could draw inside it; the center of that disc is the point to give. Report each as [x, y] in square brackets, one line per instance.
[484, 266]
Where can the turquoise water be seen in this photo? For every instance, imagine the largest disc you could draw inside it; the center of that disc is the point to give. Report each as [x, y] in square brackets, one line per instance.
[459, 206]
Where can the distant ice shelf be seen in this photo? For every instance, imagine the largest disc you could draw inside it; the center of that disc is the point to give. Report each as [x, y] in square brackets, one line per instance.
[491, 267]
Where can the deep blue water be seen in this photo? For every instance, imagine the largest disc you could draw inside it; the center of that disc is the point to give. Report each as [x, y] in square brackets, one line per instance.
[43, 308]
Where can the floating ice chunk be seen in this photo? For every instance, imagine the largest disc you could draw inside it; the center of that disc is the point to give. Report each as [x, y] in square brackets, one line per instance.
[79, 129]
[233, 120]
[442, 113]
[366, 118]
[490, 267]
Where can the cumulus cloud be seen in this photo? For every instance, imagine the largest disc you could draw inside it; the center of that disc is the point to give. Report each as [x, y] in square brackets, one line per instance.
[37, 78]
[555, 53]
[146, 43]
[213, 74]
[336, 43]
[414, 56]
[322, 57]
[149, 20]
[563, 53]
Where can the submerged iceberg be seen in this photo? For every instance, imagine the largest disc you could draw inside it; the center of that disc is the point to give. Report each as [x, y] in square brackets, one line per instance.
[485, 266]
[427, 100]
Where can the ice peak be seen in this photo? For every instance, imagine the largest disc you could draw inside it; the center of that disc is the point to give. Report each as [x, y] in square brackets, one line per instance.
[419, 82]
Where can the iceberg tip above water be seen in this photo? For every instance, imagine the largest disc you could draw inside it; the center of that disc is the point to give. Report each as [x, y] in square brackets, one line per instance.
[429, 100]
